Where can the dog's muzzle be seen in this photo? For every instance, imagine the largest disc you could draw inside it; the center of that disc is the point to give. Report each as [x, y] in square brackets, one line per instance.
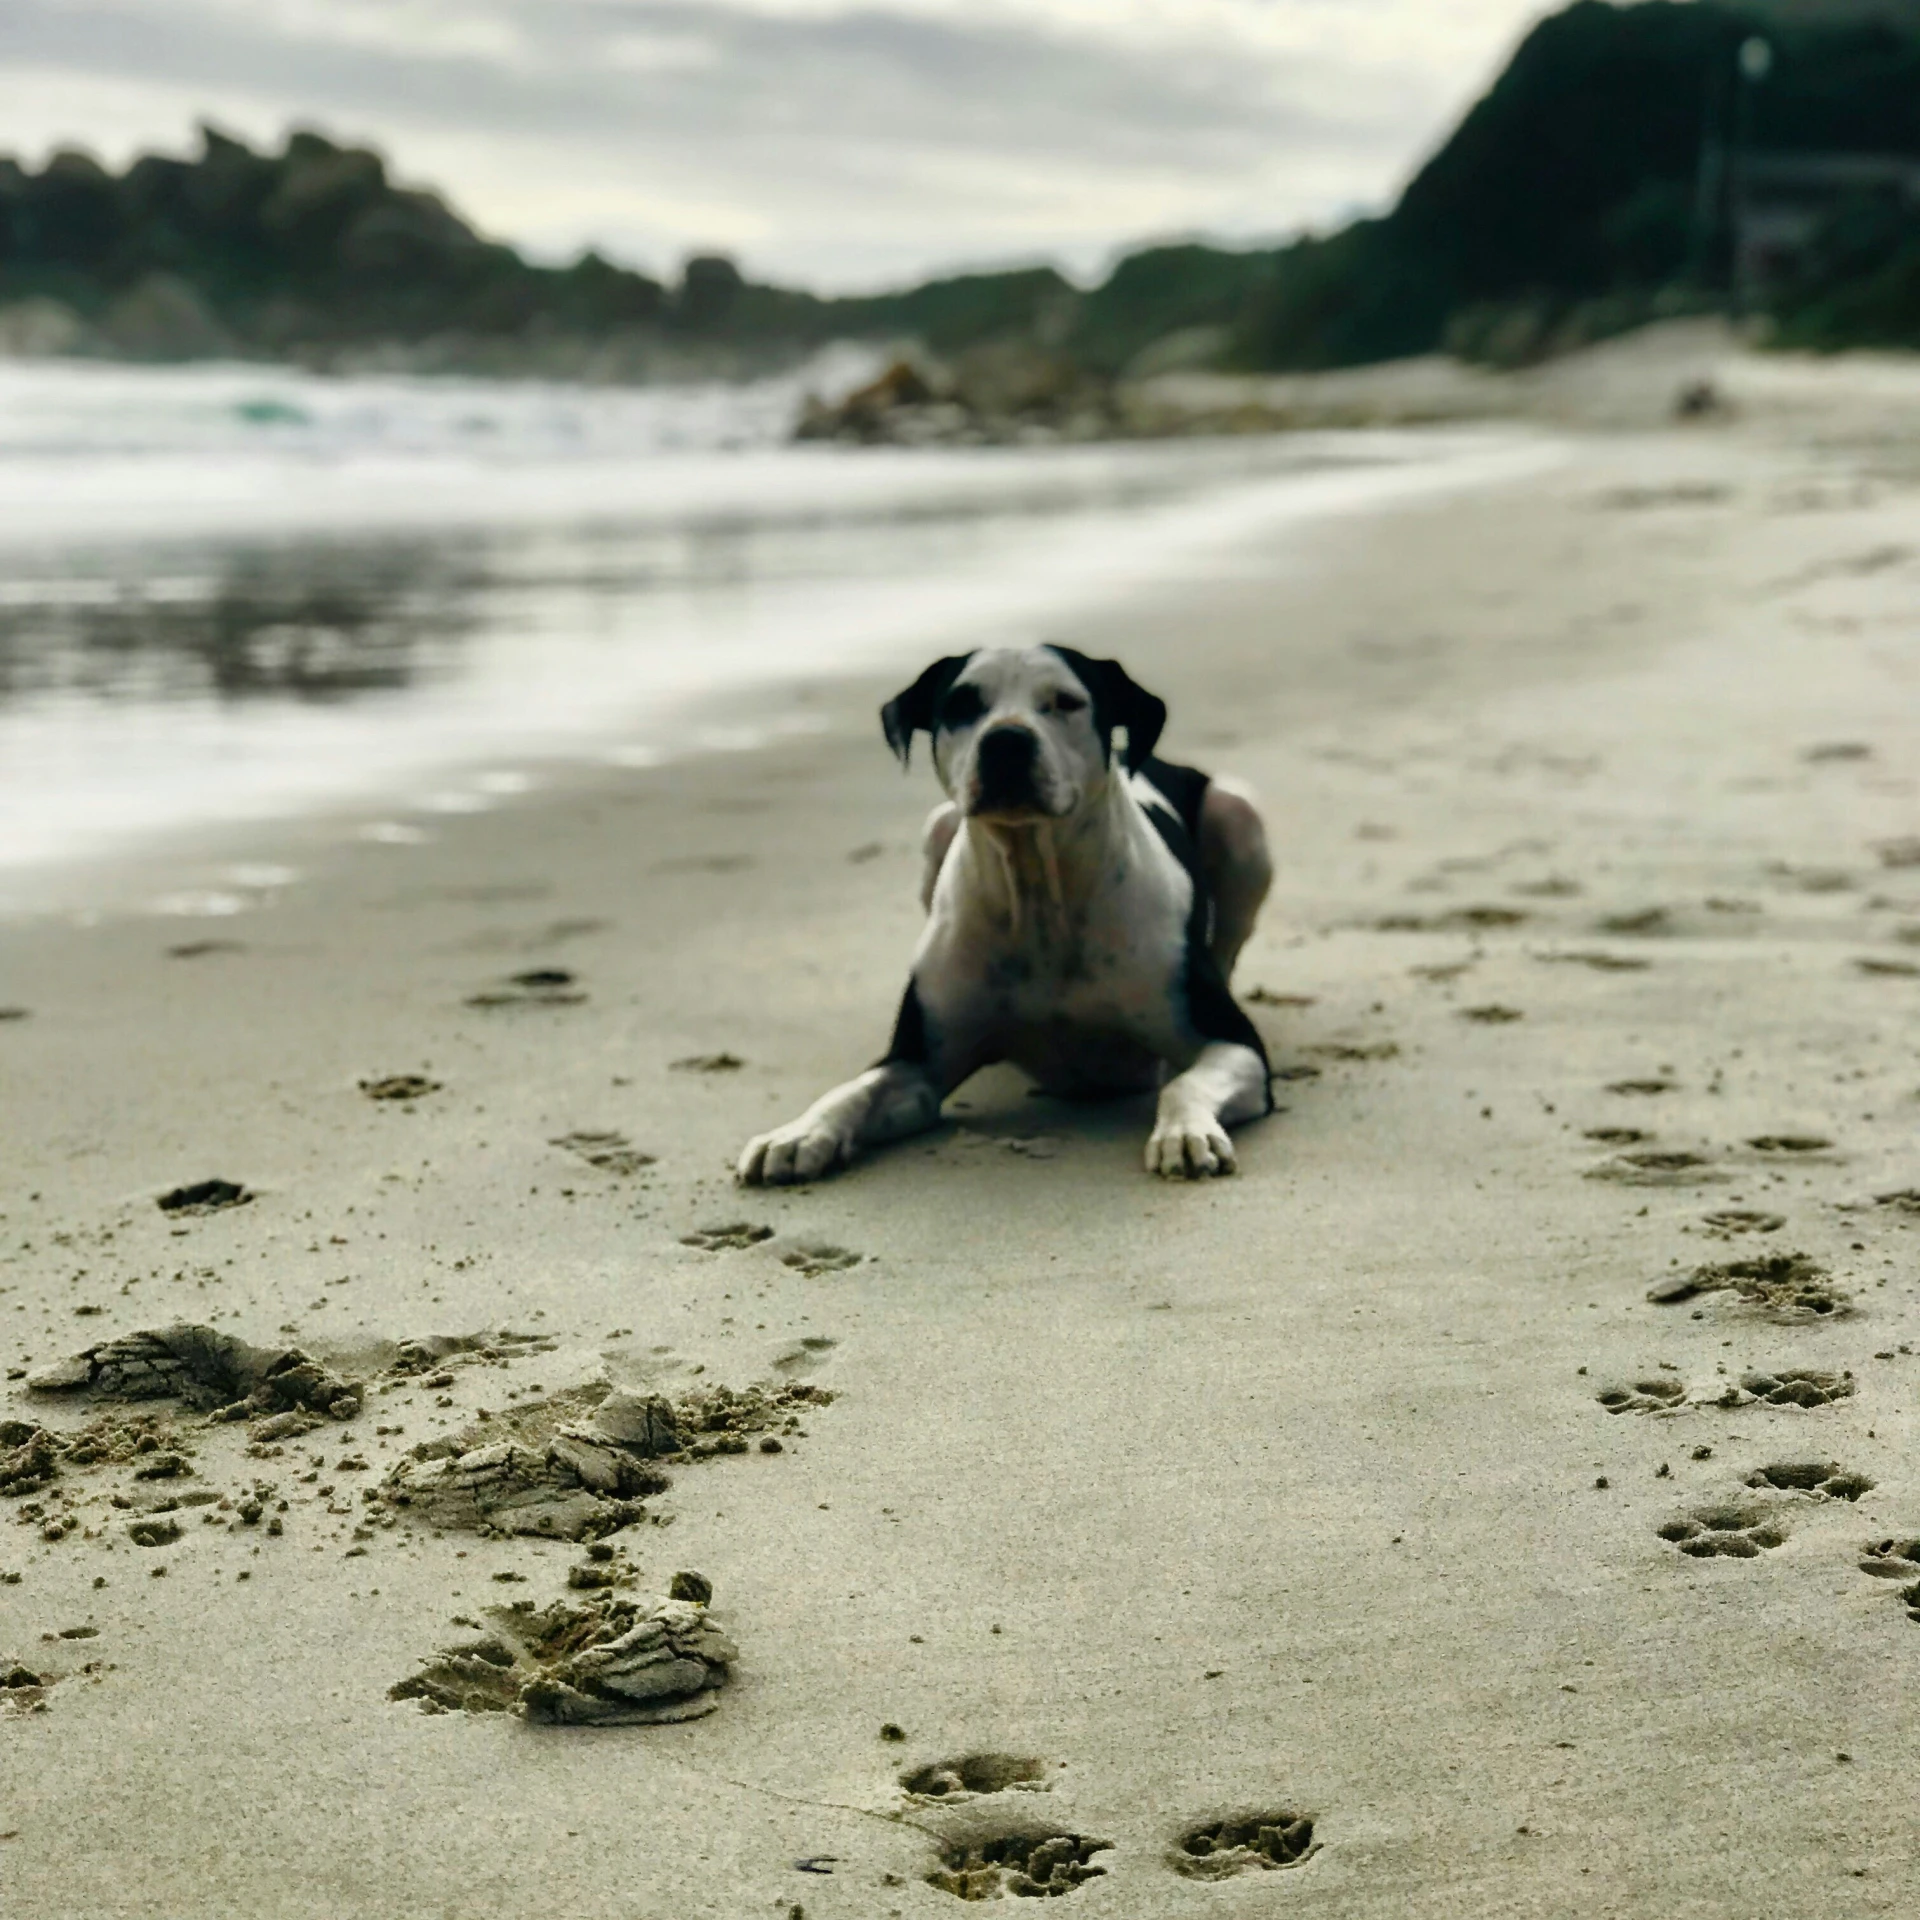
[1005, 771]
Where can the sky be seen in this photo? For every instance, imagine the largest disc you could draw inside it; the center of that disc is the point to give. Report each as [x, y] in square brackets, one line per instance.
[837, 144]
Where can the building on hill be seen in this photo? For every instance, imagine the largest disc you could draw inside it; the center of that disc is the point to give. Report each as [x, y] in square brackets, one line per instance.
[1783, 202]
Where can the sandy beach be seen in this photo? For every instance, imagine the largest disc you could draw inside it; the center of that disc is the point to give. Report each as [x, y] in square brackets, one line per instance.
[1368, 1488]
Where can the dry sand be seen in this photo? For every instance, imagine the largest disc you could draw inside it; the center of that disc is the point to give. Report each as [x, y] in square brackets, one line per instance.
[1291, 1496]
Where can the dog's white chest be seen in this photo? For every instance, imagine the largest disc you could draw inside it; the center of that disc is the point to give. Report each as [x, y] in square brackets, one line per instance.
[1078, 995]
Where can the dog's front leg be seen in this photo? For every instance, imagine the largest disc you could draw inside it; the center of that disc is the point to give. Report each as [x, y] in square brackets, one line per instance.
[887, 1102]
[1225, 1086]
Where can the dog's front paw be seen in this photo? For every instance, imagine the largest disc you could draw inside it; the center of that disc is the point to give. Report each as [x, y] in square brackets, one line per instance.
[802, 1150]
[1189, 1147]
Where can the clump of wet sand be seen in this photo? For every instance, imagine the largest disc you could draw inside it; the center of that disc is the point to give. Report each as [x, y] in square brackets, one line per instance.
[577, 1465]
[605, 1661]
[212, 1371]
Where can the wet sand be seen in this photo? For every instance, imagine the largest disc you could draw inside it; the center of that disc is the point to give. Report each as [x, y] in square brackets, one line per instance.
[1367, 1488]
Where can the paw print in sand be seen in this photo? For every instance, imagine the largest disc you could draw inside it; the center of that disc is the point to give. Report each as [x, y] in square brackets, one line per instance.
[1825, 1478]
[1028, 1863]
[815, 1257]
[1896, 1560]
[729, 1237]
[1797, 1387]
[1731, 1530]
[1645, 1396]
[975, 1774]
[1251, 1844]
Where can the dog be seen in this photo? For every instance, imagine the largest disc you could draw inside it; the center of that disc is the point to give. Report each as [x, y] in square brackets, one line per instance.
[1084, 913]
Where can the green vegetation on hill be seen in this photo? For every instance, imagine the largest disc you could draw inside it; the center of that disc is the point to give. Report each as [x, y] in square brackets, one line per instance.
[1568, 194]
[312, 246]
[1860, 284]
[1566, 205]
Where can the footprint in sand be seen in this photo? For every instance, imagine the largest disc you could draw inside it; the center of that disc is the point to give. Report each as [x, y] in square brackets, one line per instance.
[1442, 972]
[1599, 962]
[1790, 1143]
[199, 949]
[708, 1063]
[1888, 969]
[1907, 1200]
[1824, 1479]
[1645, 1396]
[1789, 1287]
[23, 1690]
[804, 1356]
[536, 987]
[1642, 922]
[1730, 1530]
[610, 1152]
[815, 1257]
[1896, 1560]
[1029, 1861]
[1806, 1387]
[1492, 1016]
[399, 1086]
[1617, 1136]
[1642, 1089]
[204, 1196]
[728, 1238]
[1459, 920]
[1731, 1220]
[1658, 1167]
[1248, 1843]
[974, 1775]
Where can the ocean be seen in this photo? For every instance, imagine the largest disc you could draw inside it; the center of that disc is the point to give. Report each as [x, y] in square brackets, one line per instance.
[230, 594]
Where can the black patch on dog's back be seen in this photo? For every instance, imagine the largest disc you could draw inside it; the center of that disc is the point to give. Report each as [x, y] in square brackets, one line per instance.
[1185, 790]
[1214, 1012]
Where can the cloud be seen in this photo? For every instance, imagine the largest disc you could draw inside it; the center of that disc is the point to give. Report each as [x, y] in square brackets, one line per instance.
[827, 142]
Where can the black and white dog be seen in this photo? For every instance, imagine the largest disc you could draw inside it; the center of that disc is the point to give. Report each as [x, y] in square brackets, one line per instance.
[1083, 919]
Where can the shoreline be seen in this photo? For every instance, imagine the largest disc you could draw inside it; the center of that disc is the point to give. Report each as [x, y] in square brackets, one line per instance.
[1277, 1494]
[549, 704]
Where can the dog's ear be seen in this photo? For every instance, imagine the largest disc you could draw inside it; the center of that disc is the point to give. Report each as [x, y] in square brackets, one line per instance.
[1118, 702]
[914, 709]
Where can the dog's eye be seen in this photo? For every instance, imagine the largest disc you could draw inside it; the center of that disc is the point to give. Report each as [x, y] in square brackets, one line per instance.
[1066, 703]
[962, 707]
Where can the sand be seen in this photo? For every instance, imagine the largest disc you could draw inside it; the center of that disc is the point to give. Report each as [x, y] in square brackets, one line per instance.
[1355, 1535]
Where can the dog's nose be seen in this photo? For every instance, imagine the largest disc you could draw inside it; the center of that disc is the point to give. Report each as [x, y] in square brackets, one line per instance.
[1006, 759]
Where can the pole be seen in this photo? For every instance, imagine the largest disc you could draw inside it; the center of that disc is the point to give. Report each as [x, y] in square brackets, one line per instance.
[1710, 183]
[1756, 62]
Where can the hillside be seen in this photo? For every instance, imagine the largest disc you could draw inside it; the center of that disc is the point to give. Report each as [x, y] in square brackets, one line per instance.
[1563, 208]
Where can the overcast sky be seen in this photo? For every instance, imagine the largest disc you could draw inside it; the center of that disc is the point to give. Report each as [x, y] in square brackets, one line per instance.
[834, 143]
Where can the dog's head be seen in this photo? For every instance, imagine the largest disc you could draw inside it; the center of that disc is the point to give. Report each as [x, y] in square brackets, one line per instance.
[1021, 736]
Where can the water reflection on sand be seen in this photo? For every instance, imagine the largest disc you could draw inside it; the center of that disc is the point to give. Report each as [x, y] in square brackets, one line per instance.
[196, 634]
